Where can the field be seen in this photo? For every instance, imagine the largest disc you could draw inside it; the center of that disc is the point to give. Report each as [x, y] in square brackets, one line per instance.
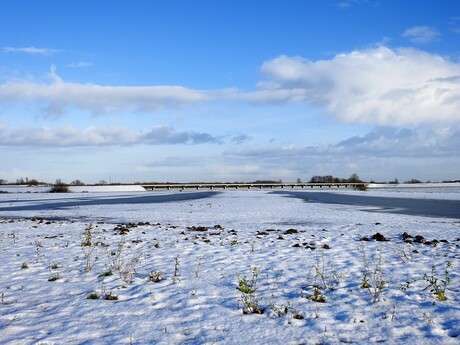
[237, 267]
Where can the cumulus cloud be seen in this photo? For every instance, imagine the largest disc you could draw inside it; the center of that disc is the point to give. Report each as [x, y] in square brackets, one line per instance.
[99, 136]
[378, 86]
[31, 50]
[421, 34]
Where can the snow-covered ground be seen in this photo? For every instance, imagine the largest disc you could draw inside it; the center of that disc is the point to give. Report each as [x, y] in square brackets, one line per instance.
[444, 191]
[184, 271]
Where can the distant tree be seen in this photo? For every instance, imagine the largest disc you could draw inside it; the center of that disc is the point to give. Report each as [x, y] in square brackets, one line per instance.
[299, 180]
[59, 187]
[413, 181]
[2, 181]
[314, 179]
[354, 178]
[77, 183]
[264, 181]
[322, 179]
[33, 182]
[102, 182]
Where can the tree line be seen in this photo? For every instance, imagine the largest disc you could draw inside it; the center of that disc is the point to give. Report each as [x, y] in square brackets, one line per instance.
[354, 178]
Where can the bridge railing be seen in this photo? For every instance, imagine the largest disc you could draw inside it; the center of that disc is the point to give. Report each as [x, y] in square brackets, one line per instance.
[223, 186]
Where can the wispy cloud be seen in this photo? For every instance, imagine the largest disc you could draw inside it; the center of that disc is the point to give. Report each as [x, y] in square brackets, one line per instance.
[100, 136]
[454, 24]
[382, 142]
[344, 4]
[421, 34]
[32, 50]
[405, 143]
[81, 64]
[55, 97]
[375, 155]
[240, 138]
[219, 168]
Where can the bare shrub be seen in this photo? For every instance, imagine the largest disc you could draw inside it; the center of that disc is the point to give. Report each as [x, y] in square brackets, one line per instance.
[59, 187]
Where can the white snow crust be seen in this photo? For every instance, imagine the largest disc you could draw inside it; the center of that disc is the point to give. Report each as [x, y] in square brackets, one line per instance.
[204, 248]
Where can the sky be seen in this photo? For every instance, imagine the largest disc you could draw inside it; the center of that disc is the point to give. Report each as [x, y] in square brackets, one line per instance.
[188, 90]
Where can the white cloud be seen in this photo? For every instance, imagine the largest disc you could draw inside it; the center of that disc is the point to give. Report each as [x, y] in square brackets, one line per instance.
[454, 23]
[31, 50]
[345, 4]
[220, 168]
[69, 136]
[381, 154]
[81, 64]
[423, 142]
[240, 138]
[58, 95]
[376, 86]
[421, 34]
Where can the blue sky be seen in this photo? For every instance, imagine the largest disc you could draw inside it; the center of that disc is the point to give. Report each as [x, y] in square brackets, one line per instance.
[128, 91]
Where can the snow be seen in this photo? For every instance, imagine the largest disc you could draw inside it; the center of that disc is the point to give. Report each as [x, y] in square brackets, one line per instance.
[443, 191]
[75, 189]
[204, 247]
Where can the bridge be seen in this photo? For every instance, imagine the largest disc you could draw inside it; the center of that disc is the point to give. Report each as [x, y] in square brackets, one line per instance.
[223, 186]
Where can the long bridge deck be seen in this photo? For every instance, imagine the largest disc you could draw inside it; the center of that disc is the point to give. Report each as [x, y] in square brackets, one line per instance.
[223, 186]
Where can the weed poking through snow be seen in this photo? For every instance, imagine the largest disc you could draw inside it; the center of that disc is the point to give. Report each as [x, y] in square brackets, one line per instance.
[437, 285]
[373, 278]
[248, 289]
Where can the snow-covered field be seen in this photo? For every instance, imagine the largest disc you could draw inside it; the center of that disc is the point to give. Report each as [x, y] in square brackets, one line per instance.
[192, 271]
